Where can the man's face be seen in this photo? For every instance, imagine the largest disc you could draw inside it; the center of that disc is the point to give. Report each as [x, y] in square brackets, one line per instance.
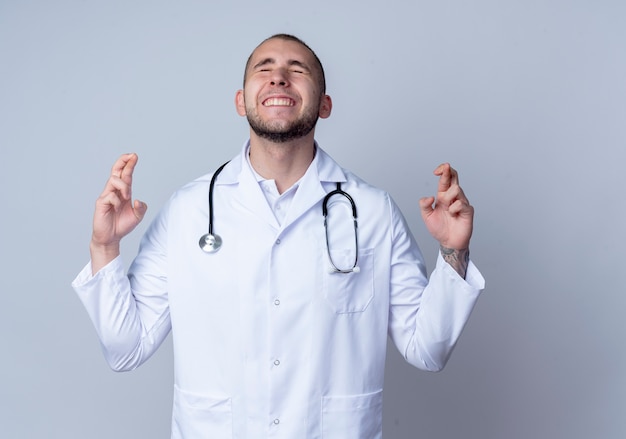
[282, 98]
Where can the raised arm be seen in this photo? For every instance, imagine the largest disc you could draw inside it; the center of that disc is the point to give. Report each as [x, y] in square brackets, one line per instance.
[116, 215]
[449, 218]
[131, 318]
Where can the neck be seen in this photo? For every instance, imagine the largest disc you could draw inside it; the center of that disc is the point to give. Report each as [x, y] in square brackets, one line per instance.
[285, 163]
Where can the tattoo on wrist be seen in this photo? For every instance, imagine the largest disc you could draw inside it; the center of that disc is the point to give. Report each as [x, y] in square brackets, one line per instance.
[458, 259]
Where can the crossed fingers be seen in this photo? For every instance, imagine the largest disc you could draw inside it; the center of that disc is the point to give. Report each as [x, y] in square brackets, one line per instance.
[449, 193]
[122, 176]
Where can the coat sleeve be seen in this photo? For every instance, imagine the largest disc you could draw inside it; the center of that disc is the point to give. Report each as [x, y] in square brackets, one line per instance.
[426, 316]
[130, 312]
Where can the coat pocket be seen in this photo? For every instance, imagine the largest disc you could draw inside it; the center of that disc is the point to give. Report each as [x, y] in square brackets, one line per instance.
[352, 417]
[350, 292]
[200, 416]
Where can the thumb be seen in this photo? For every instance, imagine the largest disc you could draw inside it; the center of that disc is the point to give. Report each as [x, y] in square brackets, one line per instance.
[426, 206]
[140, 208]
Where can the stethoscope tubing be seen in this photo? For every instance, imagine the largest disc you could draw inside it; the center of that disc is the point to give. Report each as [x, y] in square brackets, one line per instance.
[211, 185]
[211, 243]
[343, 193]
[338, 191]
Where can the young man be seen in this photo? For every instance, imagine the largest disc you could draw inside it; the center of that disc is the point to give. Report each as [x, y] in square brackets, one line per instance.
[282, 331]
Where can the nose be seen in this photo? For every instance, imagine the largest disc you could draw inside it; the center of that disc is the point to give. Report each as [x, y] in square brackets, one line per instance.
[279, 77]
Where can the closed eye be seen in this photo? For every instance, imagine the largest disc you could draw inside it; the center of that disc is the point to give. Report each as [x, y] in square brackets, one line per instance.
[298, 67]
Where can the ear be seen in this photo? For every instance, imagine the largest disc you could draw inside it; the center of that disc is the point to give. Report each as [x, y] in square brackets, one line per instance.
[240, 103]
[326, 106]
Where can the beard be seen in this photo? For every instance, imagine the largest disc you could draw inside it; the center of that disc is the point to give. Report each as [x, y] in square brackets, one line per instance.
[278, 132]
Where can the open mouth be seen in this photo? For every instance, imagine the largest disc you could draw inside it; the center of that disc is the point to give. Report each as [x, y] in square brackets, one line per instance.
[278, 102]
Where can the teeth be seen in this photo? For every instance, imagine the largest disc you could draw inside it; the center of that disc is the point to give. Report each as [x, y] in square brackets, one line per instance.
[280, 102]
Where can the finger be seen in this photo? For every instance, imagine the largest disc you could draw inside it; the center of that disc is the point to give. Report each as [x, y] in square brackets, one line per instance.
[109, 201]
[443, 171]
[426, 205]
[454, 176]
[117, 185]
[139, 209]
[124, 165]
[129, 167]
[121, 175]
[460, 207]
[448, 197]
[447, 176]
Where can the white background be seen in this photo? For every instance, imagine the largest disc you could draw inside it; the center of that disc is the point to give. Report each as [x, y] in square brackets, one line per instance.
[527, 99]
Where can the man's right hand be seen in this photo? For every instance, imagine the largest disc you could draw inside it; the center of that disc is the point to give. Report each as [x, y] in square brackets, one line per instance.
[116, 214]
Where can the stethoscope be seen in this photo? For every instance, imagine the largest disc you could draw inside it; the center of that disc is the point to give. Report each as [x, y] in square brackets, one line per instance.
[211, 242]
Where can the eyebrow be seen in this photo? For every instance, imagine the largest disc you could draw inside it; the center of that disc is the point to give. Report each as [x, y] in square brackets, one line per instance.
[292, 62]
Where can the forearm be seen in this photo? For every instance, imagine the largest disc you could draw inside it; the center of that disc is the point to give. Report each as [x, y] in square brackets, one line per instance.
[458, 259]
[128, 333]
[445, 307]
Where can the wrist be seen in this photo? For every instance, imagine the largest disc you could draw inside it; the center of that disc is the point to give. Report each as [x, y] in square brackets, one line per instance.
[456, 258]
[102, 254]
[106, 248]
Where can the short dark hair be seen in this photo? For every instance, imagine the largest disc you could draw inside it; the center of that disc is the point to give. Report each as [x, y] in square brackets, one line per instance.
[288, 37]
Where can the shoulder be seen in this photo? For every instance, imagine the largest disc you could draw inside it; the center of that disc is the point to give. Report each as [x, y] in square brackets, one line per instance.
[365, 190]
[330, 172]
[193, 189]
[229, 174]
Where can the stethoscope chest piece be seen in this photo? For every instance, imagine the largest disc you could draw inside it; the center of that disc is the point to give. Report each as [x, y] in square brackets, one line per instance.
[210, 243]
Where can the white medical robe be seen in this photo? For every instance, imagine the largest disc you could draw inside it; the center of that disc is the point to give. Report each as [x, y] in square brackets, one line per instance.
[268, 343]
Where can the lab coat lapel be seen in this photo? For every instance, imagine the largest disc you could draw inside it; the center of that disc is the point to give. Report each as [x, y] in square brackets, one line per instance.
[248, 196]
[253, 199]
[309, 192]
[311, 189]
